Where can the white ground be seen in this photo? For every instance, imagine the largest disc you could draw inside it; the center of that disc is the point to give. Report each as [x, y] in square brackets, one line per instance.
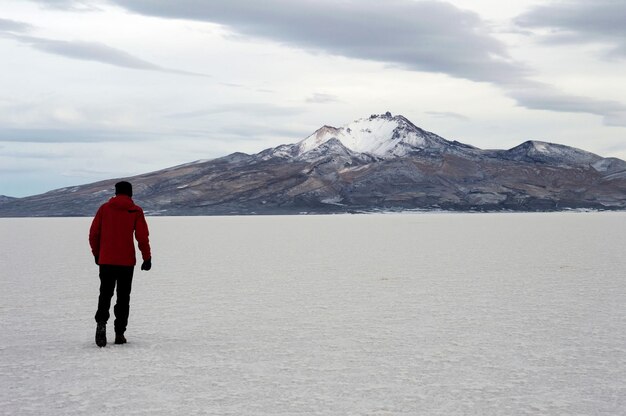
[446, 314]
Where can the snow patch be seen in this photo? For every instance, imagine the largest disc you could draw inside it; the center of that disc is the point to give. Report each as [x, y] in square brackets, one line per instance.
[335, 200]
[383, 136]
[602, 165]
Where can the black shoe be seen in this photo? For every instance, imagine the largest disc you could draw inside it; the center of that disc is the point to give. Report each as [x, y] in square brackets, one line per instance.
[101, 334]
[120, 339]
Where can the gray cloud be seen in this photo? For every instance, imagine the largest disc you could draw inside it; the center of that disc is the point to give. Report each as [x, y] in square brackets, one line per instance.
[539, 96]
[428, 35]
[7, 25]
[548, 99]
[68, 135]
[258, 109]
[97, 52]
[578, 21]
[61, 4]
[320, 98]
[617, 119]
[70, 5]
[87, 51]
[447, 114]
[257, 132]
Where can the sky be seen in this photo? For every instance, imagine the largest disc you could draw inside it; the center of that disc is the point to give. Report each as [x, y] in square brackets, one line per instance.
[99, 89]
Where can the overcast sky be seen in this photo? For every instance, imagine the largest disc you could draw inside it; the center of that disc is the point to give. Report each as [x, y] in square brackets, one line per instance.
[101, 89]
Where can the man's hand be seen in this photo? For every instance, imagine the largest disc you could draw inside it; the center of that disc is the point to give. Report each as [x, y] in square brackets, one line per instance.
[147, 264]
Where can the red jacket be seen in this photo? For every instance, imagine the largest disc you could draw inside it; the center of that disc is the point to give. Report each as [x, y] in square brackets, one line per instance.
[111, 232]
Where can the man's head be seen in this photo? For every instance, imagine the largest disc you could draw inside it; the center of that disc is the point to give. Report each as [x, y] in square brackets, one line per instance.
[124, 188]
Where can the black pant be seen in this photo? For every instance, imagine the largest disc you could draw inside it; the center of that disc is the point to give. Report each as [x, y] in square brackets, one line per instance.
[109, 276]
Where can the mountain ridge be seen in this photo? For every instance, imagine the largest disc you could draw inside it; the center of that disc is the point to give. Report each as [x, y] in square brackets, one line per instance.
[382, 162]
[383, 136]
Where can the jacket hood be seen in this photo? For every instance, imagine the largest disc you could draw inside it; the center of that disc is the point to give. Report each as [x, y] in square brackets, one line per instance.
[122, 202]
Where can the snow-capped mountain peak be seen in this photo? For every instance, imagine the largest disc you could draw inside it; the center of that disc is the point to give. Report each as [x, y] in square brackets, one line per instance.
[382, 162]
[383, 136]
[321, 136]
[551, 153]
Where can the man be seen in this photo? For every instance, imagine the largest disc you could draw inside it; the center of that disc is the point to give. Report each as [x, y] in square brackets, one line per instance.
[111, 241]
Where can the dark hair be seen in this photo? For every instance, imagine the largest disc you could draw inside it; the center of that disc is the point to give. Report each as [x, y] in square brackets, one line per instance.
[124, 188]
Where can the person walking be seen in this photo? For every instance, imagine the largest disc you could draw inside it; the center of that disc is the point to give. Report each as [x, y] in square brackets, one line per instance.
[111, 241]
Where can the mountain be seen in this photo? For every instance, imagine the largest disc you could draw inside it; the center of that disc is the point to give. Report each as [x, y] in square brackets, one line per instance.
[4, 198]
[385, 136]
[382, 162]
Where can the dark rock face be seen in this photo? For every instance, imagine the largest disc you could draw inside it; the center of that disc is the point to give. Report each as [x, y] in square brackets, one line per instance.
[379, 163]
[4, 198]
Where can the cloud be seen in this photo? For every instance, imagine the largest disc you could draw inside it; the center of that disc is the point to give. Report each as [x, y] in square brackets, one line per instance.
[7, 25]
[575, 22]
[427, 35]
[250, 132]
[258, 109]
[68, 135]
[578, 21]
[319, 98]
[540, 96]
[70, 5]
[545, 98]
[86, 51]
[97, 52]
[617, 119]
[447, 114]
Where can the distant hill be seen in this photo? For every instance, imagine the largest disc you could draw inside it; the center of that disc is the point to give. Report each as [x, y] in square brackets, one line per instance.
[4, 198]
[382, 162]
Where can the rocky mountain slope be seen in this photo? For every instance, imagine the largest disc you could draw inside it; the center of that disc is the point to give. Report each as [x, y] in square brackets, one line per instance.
[4, 198]
[383, 162]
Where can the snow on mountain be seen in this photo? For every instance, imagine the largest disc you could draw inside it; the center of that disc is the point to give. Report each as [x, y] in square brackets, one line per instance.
[283, 151]
[334, 149]
[384, 136]
[544, 152]
[379, 162]
[611, 167]
[332, 145]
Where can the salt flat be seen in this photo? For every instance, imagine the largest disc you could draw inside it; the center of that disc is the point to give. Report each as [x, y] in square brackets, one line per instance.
[433, 314]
